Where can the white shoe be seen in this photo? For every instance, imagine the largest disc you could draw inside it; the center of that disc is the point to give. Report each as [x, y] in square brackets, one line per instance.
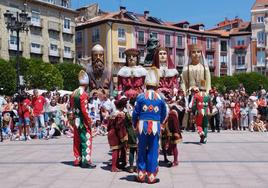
[21, 138]
[29, 138]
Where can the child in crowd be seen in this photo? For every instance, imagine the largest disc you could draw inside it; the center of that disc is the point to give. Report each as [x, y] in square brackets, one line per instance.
[257, 124]
[244, 116]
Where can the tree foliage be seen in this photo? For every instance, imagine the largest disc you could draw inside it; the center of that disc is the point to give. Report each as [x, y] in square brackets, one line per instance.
[69, 72]
[8, 78]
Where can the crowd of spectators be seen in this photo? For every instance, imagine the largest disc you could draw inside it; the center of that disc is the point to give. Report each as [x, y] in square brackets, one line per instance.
[46, 115]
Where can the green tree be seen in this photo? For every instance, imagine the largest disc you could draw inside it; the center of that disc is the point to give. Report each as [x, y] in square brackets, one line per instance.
[69, 72]
[43, 75]
[252, 81]
[7, 77]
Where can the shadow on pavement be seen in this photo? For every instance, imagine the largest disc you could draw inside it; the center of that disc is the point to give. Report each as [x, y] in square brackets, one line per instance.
[196, 143]
[69, 163]
[131, 178]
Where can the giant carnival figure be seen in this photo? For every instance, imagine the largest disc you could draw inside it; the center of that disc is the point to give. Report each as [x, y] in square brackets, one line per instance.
[148, 115]
[132, 76]
[196, 71]
[168, 75]
[82, 142]
[99, 75]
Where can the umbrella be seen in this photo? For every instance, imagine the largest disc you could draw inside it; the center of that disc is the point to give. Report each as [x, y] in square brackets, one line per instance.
[40, 91]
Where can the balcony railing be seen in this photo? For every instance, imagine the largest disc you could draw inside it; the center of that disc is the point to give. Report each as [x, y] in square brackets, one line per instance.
[53, 26]
[240, 66]
[210, 48]
[37, 22]
[36, 50]
[70, 30]
[141, 42]
[13, 46]
[180, 46]
[223, 65]
[53, 52]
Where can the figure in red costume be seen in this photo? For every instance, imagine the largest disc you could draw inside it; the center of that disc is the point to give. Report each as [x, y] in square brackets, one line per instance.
[82, 145]
[168, 74]
[201, 108]
[132, 76]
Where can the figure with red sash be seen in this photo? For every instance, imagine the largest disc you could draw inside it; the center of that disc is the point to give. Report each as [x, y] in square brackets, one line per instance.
[201, 107]
[148, 115]
[131, 77]
[168, 74]
[117, 135]
[82, 145]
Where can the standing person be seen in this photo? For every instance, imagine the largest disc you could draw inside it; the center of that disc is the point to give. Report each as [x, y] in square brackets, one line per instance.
[215, 112]
[24, 111]
[244, 116]
[148, 115]
[201, 104]
[117, 136]
[38, 103]
[82, 145]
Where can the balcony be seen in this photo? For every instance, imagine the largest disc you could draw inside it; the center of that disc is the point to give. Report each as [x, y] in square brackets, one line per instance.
[36, 50]
[13, 46]
[223, 65]
[68, 54]
[180, 46]
[53, 52]
[37, 23]
[141, 42]
[210, 49]
[240, 67]
[53, 26]
[240, 49]
[70, 30]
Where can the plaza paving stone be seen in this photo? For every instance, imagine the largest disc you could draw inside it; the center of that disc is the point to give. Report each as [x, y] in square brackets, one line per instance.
[229, 159]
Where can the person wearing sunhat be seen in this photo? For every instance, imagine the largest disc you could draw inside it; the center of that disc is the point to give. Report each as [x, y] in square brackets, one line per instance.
[148, 115]
[82, 145]
[201, 107]
[131, 76]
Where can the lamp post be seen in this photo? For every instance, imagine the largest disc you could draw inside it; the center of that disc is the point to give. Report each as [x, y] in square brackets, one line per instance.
[19, 22]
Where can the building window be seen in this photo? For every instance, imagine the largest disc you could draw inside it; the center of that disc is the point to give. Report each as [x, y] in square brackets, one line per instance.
[185, 26]
[13, 40]
[260, 19]
[209, 43]
[179, 41]
[121, 53]
[193, 40]
[261, 37]
[179, 58]
[65, 3]
[78, 38]
[96, 35]
[241, 42]
[67, 50]
[142, 53]
[241, 60]
[35, 16]
[210, 59]
[53, 47]
[154, 34]
[261, 57]
[67, 23]
[51, 1]
[141, 36]
[121, 34]
[35, 45]
[223, 59]
[224, 46]
[167, 40]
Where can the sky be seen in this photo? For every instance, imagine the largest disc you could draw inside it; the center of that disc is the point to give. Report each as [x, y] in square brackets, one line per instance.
[208, 12]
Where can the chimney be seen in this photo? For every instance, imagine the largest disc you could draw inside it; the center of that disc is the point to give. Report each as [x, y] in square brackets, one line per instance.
[146, 14]
[122, 8]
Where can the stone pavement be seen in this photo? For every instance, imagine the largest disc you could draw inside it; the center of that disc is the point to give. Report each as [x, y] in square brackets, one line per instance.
[229, 159]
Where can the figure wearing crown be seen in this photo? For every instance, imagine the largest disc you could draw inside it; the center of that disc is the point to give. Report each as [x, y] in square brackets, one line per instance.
[132, 76]
[168, 74]
[82, 145]
[148, 115]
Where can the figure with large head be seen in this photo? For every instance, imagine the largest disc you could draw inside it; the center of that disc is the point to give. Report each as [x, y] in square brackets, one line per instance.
[151, 45]
[168, 74]
[100, 77]
[196, 73]
[131, 76]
